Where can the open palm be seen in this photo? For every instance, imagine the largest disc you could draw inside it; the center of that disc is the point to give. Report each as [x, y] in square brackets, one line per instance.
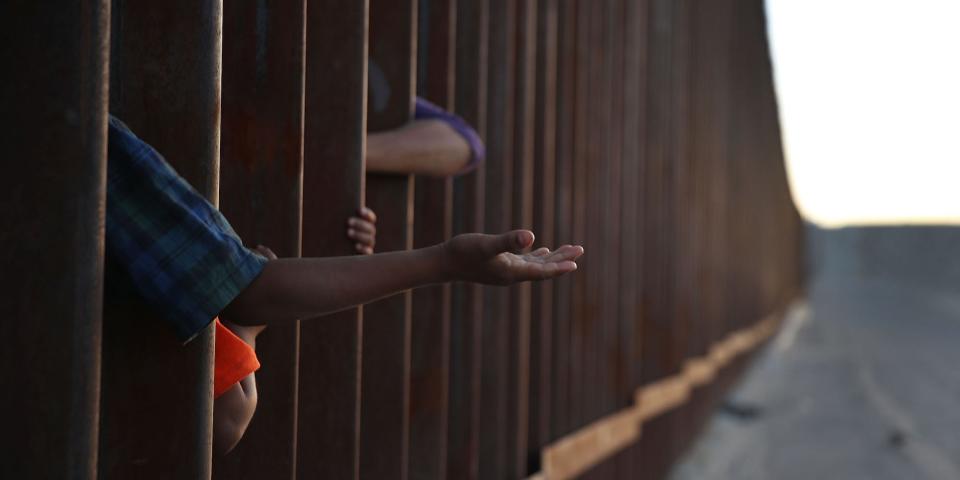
[496, 259]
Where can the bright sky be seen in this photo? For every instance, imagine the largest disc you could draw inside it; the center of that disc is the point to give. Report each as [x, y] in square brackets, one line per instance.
[869, 94]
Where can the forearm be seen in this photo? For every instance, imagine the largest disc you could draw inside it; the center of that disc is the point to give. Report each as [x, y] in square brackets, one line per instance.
[422, 147]
[293, 288]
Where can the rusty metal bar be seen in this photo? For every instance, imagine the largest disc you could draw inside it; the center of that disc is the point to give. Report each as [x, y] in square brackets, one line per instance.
[521, 216]
[579, 329]
[386, 344]
[711, 34]
[544, 196]
[656, 322]
[604, 191]
[328, 416]
[594, 195]
[626, 110]
[683, 298]
[498, 208]
[54, 93]
[157, 395]
[433, 214]
[562, 360]
[614, 288]
[463, 430]
[261, 171]
[635, 208]
[700, 342]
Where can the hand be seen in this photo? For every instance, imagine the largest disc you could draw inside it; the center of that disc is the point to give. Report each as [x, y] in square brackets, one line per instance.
[266, 252]
[248, 333]
[363, 231]
[496, 259]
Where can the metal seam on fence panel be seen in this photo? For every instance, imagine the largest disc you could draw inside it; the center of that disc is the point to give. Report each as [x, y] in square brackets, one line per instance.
[577, 452]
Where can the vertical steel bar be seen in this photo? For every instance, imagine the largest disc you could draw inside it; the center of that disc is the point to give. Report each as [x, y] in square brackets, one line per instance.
[54, 94]
[328, 413]
[544, 195]
[463, 432]
[156, 409]
[683, 298]
[702, 79]
[636, 79]
[260, 189]
[562, 359]
[654, 298]
[521, 216]
[497, 212]
[628, 122]
[579, 329]
[386, 343]
[719, 185]
[616, 288]
[433, 212]
[594, 375]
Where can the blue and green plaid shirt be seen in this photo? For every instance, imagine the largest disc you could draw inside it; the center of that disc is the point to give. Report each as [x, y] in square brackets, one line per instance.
[178, 252]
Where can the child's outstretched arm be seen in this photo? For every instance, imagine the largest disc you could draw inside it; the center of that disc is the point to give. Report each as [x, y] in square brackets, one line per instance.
[295, 288]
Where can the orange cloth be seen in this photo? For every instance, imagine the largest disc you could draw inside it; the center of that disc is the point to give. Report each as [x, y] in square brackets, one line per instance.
[233, 360]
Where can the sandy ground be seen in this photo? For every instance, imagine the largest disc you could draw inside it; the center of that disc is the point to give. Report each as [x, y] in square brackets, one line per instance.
[863, 382]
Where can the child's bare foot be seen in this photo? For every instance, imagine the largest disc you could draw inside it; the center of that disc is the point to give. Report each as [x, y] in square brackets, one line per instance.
[362, 229]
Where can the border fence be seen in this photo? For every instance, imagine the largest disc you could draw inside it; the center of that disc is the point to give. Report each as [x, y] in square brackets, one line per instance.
[646, 130]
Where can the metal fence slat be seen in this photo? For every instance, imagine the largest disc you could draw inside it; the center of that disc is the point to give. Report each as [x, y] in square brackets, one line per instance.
[433, 217]
[464, 396]
[52, 192]
[328, 403]
[497, 213]
[543, 217]
[157, 403]
[261, 170]
[385, 422]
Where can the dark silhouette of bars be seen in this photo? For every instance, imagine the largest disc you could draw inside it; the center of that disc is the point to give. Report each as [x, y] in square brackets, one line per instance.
[646, 130]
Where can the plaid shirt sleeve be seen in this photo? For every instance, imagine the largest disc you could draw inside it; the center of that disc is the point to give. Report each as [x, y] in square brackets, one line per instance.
[179, 253]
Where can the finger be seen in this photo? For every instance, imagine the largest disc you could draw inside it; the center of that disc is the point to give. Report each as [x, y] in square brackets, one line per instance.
[368, 214]
[540, 252]
[514, 241]
[559, 251]
[542, 271]
[361, 237]
[566, 252]
[365, 250]
[552, 270]
[266, 252]
[564, 267]
[363, 226]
